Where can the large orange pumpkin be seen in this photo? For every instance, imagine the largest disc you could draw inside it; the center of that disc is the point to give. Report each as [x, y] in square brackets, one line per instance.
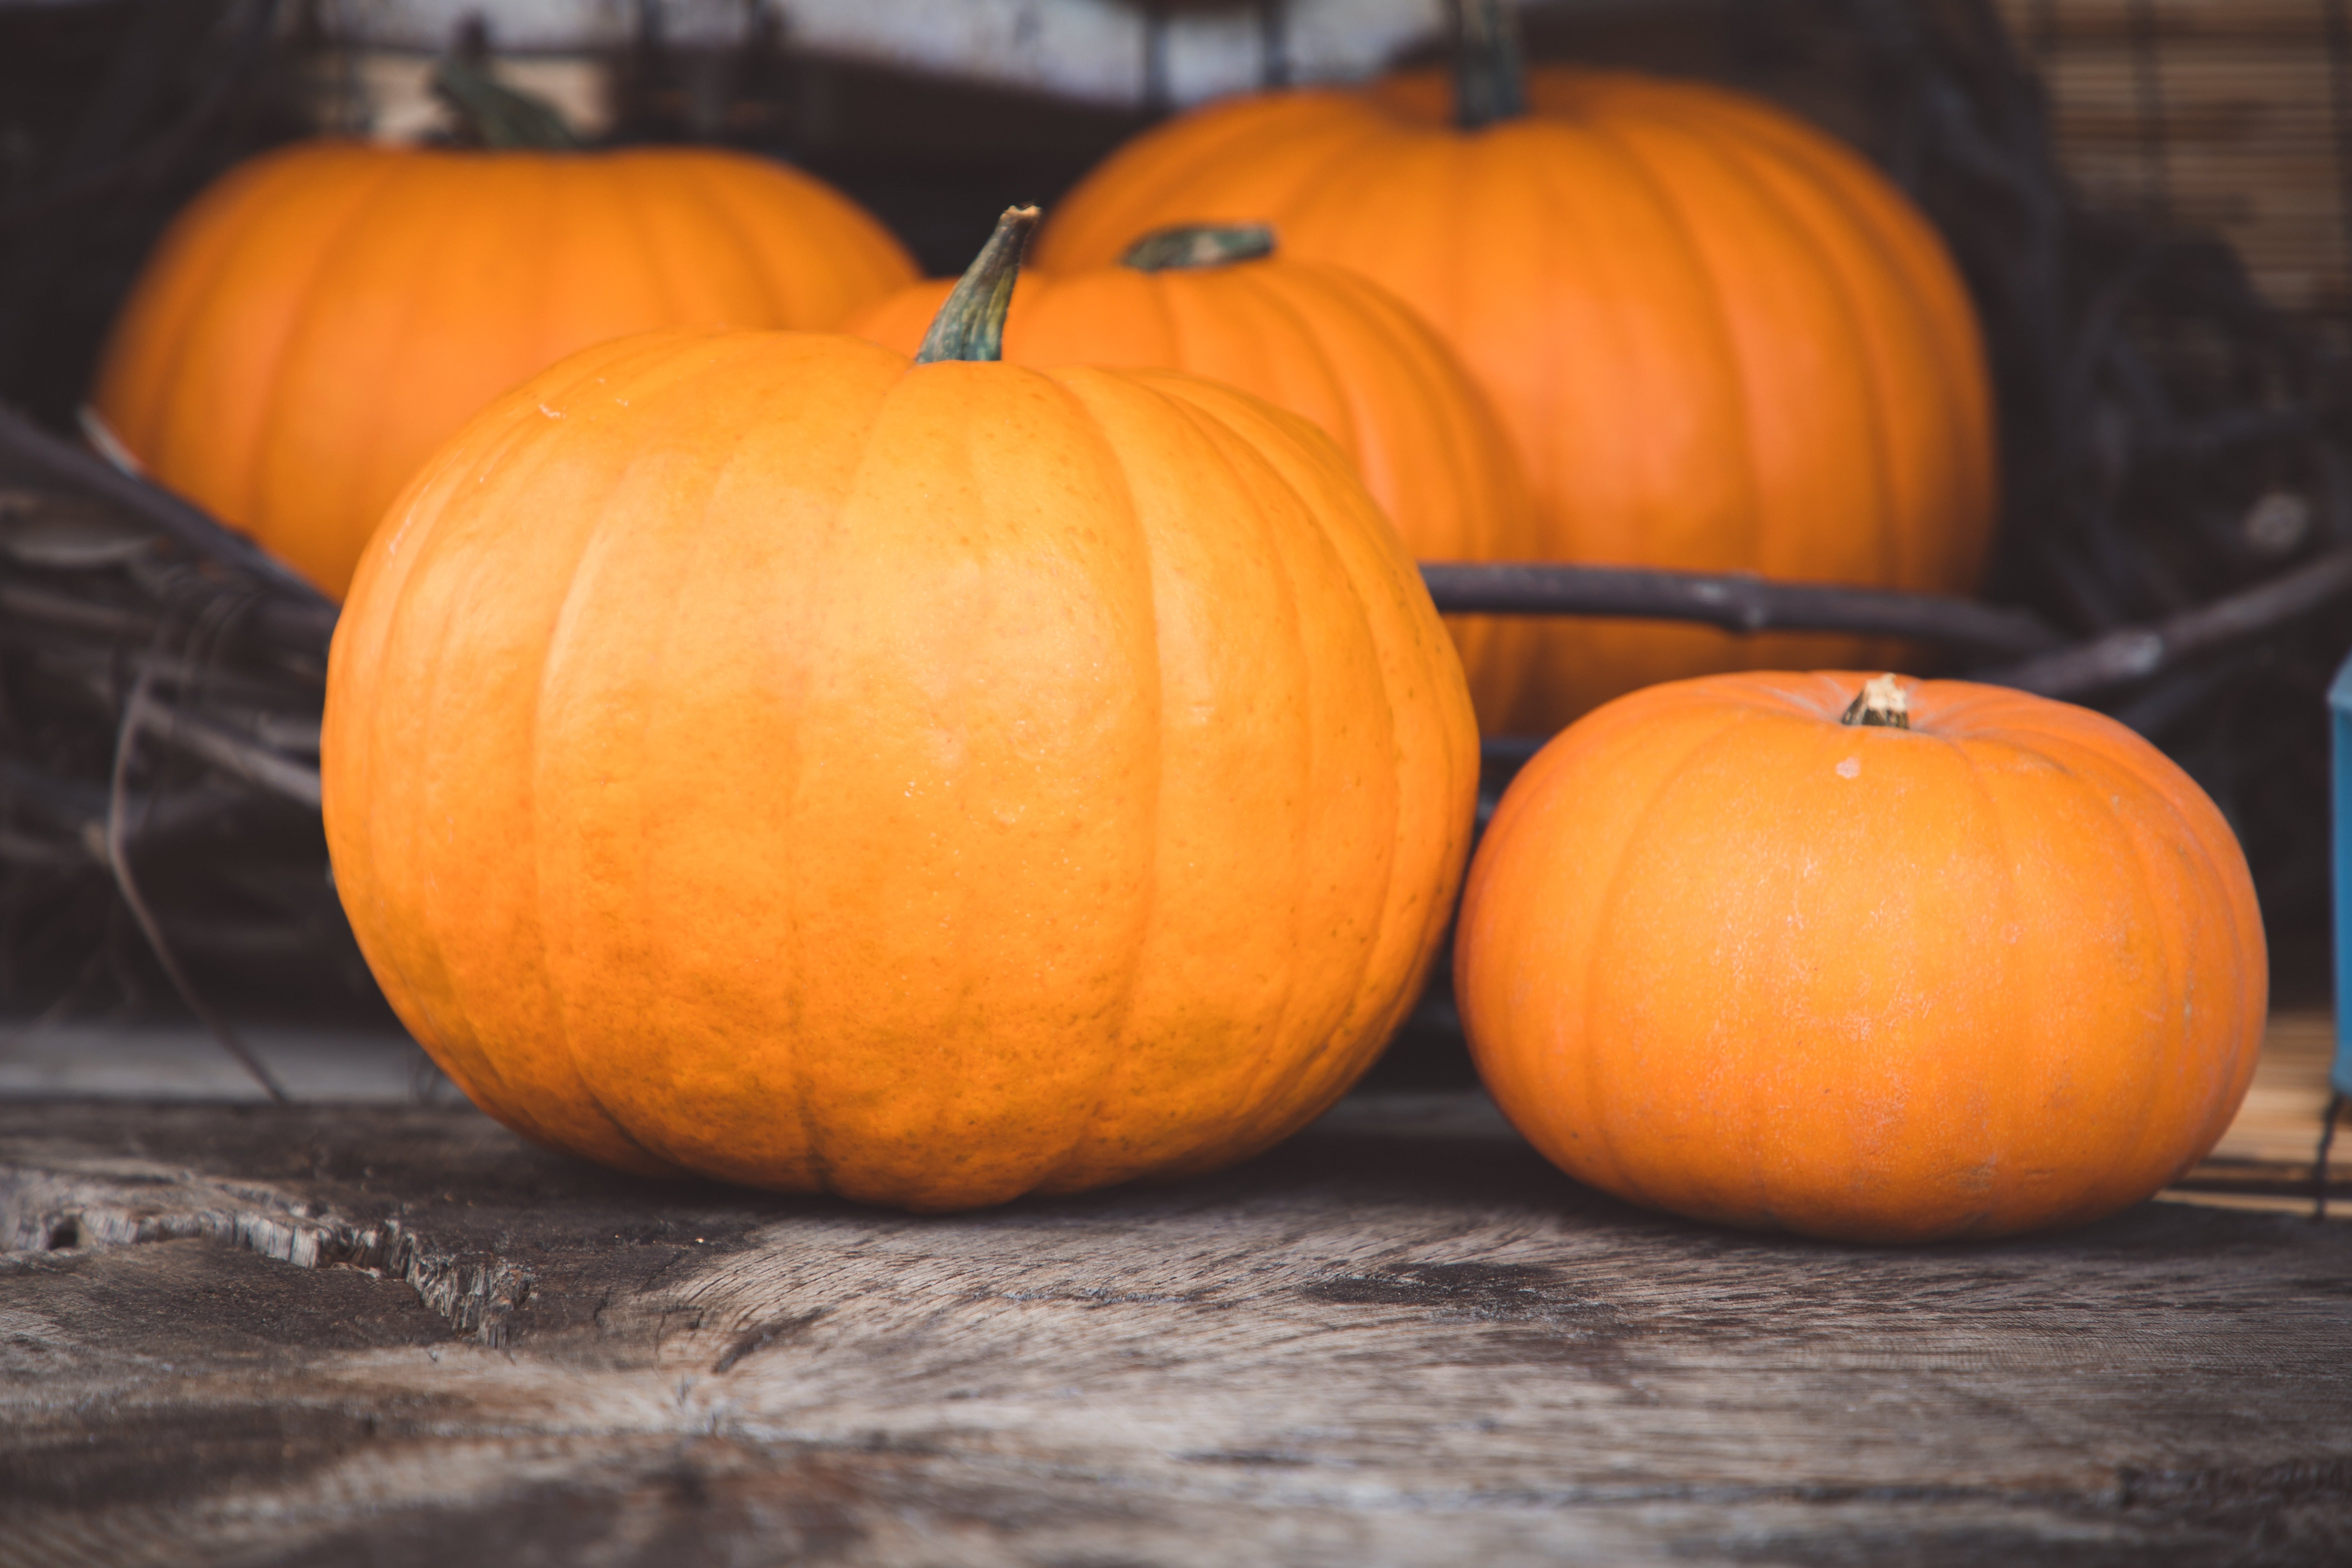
[1742, 948]
[322, 318]
[1318, 341]
[755, 755]
[1721, 341]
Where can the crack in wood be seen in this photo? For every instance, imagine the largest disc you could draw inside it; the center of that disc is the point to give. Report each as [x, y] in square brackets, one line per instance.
[42, 1211]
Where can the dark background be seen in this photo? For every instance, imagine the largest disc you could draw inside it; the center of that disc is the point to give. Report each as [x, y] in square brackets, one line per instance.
[2149, 400]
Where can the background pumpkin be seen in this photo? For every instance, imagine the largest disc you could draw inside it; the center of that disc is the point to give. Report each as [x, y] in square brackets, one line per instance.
[1724, 954]
[321, 319]
[1720, 340]
[749, 753]
[1318, 341]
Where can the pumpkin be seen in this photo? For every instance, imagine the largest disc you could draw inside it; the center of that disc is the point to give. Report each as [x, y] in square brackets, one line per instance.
[1318, 341]
[1895, 963]
[322, 318]
[759, 755]
[1720, 341]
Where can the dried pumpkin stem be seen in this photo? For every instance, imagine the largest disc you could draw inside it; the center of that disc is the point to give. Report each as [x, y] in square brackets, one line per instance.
[971, 325]
[1489, 80]
[1880, 701]
[496, 115]
[1190, 247]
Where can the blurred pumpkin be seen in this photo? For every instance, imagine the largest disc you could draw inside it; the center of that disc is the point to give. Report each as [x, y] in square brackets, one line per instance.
[322, 318]
[1721, 341]
[1899, 961]
[755, 755]
[1321, 341]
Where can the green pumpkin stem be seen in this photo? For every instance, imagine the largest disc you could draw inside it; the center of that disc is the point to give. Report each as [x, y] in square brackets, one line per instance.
[971, 325]
[1190, 247]
[496, 115]
[1880, 701]
[1489, 77]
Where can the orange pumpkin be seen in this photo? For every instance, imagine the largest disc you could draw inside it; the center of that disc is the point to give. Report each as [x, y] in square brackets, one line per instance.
[1318, 341]
[322, 318]
[755, 755]
[1720, 340]
[1761, 950]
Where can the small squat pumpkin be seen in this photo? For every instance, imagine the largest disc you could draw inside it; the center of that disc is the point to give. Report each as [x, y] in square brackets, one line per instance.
[1720, 340]
[758, 755]
[320, 319]
[1319, 341]
[1898, 963]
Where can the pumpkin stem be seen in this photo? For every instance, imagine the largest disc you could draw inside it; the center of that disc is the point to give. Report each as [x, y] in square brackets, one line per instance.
[971, 325]
[1489, 80]
[1882, 701]
[492, 114]
[1190, 247]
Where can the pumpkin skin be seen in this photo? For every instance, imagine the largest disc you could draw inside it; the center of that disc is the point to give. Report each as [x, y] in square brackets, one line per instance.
[751, 754]
[321, 319]
[1325, 344]
[1721, 341]
[1724, 955]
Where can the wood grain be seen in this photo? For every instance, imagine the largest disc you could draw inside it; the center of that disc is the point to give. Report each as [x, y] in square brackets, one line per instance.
[1400, 1339]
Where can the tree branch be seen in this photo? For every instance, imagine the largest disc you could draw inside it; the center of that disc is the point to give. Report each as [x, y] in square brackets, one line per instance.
[299, 608]
[2135, 653]
[1735, 601]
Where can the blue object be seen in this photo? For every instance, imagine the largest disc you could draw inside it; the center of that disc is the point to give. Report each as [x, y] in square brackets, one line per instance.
[2339, 720]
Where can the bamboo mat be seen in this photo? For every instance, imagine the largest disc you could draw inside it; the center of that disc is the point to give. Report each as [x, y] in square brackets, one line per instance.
[2264, 1160]
[2219, 113]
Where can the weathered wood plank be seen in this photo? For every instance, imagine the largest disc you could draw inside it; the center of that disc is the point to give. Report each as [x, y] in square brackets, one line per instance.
[1400, 1339]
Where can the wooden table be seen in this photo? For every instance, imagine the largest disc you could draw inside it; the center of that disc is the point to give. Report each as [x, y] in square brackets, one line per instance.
[394, 1334]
